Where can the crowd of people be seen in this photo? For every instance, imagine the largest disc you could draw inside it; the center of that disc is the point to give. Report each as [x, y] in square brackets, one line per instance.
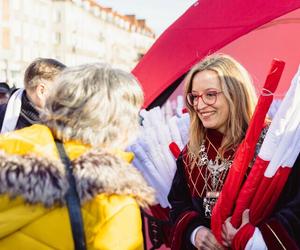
[66, 180]
[81, 115]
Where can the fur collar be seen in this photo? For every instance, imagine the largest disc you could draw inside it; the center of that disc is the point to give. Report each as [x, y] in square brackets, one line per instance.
[38, 179]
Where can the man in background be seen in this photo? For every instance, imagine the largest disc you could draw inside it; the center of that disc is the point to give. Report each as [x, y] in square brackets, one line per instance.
[24, 105]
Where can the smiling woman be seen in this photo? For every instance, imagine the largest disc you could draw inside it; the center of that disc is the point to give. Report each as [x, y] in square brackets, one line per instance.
[220, 99]
[213, 110]
[233, 108]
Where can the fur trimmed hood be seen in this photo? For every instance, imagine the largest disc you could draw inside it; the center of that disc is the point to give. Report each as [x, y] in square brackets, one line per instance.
[38, 179]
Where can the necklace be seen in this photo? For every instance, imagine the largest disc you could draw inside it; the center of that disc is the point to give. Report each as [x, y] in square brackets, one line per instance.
[216, 170]
[217, 166]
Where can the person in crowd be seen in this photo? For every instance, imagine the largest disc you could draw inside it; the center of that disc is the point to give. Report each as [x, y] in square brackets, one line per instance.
[93, 110]
[220, 99]
[4, 92]
[24, 105]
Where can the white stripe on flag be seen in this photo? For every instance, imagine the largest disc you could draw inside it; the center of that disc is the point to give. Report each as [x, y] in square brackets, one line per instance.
[282, 143]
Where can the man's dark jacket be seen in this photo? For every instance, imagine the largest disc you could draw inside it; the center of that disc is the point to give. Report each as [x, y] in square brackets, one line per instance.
[28, 115]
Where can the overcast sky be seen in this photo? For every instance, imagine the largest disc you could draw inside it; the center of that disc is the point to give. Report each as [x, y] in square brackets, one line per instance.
[159, 14]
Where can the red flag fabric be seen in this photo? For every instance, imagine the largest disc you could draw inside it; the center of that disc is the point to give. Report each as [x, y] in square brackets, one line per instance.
[267, 194]
[175, 149]
[245, 152]
[274, 162]
[200, 31]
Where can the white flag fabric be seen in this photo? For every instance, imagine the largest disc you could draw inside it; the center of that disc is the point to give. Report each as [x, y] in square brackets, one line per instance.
[13, 110]
[152, 154]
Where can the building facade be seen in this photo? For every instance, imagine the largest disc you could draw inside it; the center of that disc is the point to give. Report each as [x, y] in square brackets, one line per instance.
[72, 31]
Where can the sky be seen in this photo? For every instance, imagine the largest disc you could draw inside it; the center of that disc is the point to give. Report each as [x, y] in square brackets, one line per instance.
[159, 14]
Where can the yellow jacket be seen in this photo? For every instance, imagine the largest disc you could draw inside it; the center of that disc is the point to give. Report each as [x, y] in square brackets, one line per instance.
[33, 184]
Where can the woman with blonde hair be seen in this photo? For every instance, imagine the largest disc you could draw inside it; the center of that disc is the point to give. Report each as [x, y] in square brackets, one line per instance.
[69, 185]
[220, 99]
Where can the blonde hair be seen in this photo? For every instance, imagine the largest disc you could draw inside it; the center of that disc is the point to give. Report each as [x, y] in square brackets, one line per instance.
[239, 92]
[95, 104]
[41, 68]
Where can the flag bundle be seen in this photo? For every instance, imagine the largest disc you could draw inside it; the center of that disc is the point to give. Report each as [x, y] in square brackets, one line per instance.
[153, 157]
[274, 162]
[245, 152]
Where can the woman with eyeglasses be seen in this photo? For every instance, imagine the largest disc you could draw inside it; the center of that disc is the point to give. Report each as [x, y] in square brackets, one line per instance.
[220, 99]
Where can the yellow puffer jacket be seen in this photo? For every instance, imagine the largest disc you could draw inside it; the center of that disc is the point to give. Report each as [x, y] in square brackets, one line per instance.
[33, 184]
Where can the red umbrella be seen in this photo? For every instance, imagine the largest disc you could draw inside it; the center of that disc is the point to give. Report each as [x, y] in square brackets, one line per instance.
[206, 27]
[276, 39]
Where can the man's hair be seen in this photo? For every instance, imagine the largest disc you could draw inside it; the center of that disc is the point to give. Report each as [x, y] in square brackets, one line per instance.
[41, 68]
[4, 87]
[95, 104]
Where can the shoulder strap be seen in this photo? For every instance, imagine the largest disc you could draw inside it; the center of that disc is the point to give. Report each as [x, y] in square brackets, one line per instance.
[72, 200]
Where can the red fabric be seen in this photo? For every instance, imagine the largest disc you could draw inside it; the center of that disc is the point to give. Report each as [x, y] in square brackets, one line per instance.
[267, 195]
[275, 236]
[254, 51]
[163, 214]
[284, 32]
[179, 230]
[174, 149]
[160, 212]
[259, 193]
[225, 204]
[242, 237]
[248, 191]
[198, 178]
[201, 30]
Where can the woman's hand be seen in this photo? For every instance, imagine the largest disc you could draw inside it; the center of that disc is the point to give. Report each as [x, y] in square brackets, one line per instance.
[228, 231]
[204, 239]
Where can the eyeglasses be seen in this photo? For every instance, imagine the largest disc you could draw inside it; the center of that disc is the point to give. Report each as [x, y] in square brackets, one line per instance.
[208, 97]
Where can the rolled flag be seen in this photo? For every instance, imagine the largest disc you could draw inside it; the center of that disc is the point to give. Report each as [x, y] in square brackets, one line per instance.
[183, 124]
[152, 175]
[175, 150]
[245, 152]
[175, 132]
[274, 162]
[153, 157]
[280, 150]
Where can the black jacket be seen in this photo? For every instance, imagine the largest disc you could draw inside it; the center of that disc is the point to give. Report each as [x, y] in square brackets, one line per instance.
[28, 115]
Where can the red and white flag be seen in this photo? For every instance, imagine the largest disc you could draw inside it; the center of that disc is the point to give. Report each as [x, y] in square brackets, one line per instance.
[245, 152]
[274, 162]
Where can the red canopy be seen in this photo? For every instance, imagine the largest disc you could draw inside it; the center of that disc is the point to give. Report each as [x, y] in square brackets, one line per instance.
[208, 26]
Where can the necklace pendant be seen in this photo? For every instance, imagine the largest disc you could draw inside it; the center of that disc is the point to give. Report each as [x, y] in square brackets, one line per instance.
[209, 202]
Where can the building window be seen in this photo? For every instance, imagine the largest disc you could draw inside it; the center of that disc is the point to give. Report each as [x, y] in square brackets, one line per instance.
[5, 10]
[17, 52]
[27, 53]
[96, 11]
[101, 37]
[16, 4]
[57, 16]
[5, 38]
[57, 38]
